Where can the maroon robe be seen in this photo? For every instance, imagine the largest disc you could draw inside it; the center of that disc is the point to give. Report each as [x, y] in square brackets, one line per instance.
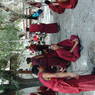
[60, 8]
[69, 4]
[63, 85]
[56, 8]
[36, 4]
[47, 28]
[65, 53]
[49, 60]
[35, 47]
[61, 56]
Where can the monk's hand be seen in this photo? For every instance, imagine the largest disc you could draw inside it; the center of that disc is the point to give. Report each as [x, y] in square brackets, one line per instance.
[54, 47]
[62, 69]
[76, 41]
[73, 75]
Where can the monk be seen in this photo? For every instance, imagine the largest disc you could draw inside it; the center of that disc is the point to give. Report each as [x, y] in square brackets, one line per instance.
[44, 91]
[46, 60]
[34, 47]
[65, 82]
[60, 5]
[68, 49]
[51, 62]
[56, 9]
[47, 28]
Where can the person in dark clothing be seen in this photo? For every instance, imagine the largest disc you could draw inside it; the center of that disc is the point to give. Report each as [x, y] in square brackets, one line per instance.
[35, 15]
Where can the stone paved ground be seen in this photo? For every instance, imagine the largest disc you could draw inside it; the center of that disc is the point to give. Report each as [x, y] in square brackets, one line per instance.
[80, 21]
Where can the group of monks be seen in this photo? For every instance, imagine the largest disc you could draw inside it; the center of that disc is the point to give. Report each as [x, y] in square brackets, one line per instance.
[59, 6]
[51, 66]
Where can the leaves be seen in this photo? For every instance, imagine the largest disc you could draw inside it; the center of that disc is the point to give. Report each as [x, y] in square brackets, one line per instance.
[8, 35]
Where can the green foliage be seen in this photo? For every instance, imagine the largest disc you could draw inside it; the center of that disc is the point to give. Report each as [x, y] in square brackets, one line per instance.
[8, 43]
[4, 63]
[8, 38]
[8, 35]
[14, 60]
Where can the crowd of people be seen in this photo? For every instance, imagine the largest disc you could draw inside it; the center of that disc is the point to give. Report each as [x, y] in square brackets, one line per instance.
[51, 66]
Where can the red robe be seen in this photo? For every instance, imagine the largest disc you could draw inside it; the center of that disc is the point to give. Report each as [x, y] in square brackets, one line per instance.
[61, 56]
[35, 47]
[47, 28]
[48, 61]
[69, 4]
[36, 4]
[60, 8]
[56, 8]
[84, 83]
[65, 53]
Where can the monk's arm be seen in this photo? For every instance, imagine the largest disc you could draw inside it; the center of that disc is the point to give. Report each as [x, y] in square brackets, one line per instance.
[60, 51]
[59, 75]
[76, 43]
[63, 53]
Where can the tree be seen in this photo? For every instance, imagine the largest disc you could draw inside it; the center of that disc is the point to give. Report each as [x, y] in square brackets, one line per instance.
[17, 83]
[8, 36]
[14, 15]
[8, 33]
